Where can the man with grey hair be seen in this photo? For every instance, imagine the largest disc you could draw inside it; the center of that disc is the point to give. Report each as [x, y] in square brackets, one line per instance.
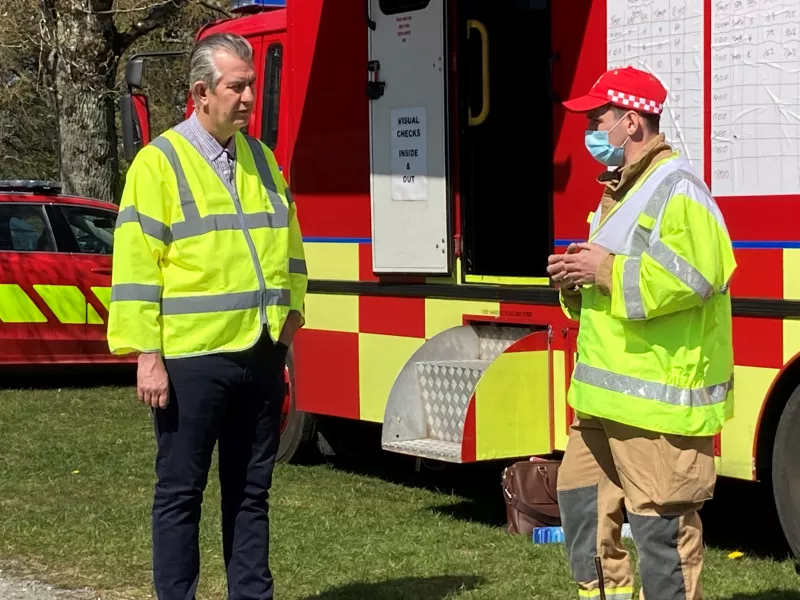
[208, 288]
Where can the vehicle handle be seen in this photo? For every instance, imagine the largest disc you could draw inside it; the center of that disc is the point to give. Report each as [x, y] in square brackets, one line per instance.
[481, 29]
[102, 270]
[370, 23]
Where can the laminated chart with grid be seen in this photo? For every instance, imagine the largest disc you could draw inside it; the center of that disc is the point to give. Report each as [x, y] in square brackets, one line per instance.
[755, 104]
[665, 37]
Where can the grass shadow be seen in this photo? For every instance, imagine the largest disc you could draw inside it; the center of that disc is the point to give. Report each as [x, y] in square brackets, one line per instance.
[770, 595]
[409, 588]
[490, 511]
[476, 486]
[48, 377]
[742, 517]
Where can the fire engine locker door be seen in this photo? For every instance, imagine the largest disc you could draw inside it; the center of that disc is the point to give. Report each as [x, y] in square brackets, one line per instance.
[407, 126]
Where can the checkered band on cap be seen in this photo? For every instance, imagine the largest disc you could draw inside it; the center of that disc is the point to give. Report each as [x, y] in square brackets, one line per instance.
[636, 102]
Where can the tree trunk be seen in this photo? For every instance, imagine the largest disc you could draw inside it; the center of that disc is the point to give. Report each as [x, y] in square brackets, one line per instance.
[85, 70]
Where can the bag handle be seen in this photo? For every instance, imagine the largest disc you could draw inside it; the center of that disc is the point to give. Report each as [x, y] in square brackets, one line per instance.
[528, 510]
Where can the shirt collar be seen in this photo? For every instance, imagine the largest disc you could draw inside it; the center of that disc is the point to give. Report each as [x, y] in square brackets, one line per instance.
[210, 142]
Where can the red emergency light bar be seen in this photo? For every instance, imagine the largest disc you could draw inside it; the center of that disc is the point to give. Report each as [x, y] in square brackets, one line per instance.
[256, 5]
[34, 186]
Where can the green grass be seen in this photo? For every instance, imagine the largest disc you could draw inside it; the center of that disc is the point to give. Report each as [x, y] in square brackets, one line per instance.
[345, 532]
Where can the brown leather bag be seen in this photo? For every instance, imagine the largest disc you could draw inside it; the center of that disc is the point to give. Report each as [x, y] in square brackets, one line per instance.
[529, 489]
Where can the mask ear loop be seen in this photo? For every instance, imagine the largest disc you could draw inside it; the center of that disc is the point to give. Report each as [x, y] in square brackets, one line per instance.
[617, 123]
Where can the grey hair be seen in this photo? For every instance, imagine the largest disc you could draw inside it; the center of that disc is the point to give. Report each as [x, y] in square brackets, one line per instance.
[202, 66]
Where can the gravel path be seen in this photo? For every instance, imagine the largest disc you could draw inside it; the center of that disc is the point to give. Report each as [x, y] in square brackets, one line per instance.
[12, 588]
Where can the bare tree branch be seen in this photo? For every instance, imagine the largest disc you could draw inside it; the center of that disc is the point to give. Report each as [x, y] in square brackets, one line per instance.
[218, 9]
[155, 17]
[119, 11]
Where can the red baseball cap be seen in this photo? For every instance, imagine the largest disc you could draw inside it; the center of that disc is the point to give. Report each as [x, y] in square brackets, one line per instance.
[625, 87]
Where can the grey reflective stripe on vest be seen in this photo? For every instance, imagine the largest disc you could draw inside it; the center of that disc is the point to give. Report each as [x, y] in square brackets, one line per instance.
[131, 292]
[681, 269]
[223, 302]
[298, 266]
[656, 202]
[281, 211]
[631, 292]
[674, 264]
[187, 229]
[152, 227]
[188, 205]
[193, 224]
[649, 390]
[261, 163]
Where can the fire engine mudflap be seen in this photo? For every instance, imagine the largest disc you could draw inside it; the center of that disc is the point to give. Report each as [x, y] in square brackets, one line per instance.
[475, 392]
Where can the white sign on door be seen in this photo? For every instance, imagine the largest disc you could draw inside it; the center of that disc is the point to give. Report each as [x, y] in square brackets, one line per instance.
[409, 154]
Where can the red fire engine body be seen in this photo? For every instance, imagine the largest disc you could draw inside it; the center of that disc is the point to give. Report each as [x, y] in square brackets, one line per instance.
[434, 171]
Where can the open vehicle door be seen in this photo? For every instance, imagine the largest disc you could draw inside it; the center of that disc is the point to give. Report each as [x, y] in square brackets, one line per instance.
[410, 224]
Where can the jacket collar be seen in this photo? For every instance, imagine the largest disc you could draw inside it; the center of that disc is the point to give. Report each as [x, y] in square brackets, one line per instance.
[621, 179]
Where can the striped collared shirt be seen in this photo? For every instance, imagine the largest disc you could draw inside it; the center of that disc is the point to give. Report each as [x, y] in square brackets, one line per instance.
[222, 159]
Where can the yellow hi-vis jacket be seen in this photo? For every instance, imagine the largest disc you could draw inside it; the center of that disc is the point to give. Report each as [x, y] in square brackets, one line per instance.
[195, 270]
[657, 352]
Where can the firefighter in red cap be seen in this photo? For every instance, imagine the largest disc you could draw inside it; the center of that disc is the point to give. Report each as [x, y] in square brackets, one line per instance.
[653, 382]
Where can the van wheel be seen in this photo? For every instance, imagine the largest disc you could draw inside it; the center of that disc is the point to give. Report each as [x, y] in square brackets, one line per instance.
[786, 471]
[297, 427]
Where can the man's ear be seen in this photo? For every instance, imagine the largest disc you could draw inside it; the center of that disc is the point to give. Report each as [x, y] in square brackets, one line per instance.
[638, 123]
[200, 92]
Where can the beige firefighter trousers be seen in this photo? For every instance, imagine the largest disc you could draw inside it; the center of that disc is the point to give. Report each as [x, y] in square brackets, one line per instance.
[663, 480]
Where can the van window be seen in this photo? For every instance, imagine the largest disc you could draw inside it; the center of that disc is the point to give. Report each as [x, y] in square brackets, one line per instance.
[23, 228]
[92, 228]
[391, 7]
[272, 96]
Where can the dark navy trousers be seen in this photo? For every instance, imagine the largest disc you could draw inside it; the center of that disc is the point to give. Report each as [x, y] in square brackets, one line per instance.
[233, 400]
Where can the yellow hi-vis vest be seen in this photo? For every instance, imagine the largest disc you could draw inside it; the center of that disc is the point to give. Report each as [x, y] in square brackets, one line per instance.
[195, 270]
[657, 352]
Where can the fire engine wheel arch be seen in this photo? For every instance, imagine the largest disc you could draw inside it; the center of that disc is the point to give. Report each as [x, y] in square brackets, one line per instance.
[786, 471]
[298, 428]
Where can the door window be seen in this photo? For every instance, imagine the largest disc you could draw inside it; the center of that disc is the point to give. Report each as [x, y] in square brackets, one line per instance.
[92, 228]
[272, 95]
[390, 7]
[23, 228]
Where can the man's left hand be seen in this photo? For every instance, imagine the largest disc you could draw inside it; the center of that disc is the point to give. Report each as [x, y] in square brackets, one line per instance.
[293, 323]
[555, 268]
[581, 267]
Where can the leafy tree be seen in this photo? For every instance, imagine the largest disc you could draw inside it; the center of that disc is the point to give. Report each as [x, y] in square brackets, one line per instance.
[60, 80]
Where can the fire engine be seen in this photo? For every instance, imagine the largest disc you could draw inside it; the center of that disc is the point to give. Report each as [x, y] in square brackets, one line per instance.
[435, 170]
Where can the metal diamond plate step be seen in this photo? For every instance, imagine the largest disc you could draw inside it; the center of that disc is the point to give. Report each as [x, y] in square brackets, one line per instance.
[446, 387]
[434, 449]
[496, 340]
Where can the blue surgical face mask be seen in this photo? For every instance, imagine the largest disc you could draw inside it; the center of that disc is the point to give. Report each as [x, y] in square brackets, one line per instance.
[599, 146]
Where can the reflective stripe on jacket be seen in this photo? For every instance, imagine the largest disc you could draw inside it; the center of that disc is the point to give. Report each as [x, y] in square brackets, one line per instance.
[196, 270]
[657, 352]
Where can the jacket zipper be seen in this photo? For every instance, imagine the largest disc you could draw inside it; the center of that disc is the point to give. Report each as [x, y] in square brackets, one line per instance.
[262, 310]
